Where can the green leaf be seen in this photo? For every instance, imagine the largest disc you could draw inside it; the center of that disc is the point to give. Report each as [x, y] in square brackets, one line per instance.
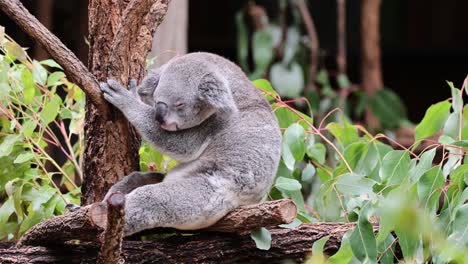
[388, 108]
[54, 78]
[265, 86]
[28, 83]
[344, 133]
[318, 245]
[317, 152]
[288, 81]
[452, 125]
[353, 155]
[262, 238]
[294, 137]
[291, 45]
[363, 242]
[50, 110]
[345, 253]
[51, 63]
[23, 157]
[395, 167]
[4, 90]
[343, 81]
[287, 156]
[354, 184]
[15, 50]
[262, 50]
[39, 73]
[408, 242]
[387, 250]
[308, 173]
[242, 41]
[6, 209]
[429, 188]
[6, 147]
[287, 184]
[433, 120]
[424, 164]
[28, 128]
[460, 227]
[457, 100]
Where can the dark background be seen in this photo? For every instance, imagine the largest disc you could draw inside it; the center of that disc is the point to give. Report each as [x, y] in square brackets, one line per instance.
[424, 42]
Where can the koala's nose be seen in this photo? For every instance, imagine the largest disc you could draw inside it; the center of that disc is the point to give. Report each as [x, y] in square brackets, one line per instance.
[161, 111]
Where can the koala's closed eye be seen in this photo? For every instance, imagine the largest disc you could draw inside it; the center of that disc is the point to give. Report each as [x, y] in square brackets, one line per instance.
[179, 105]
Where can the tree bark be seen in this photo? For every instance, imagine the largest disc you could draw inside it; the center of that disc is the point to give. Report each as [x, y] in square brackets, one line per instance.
[371, 69]
[88, 222]
[112, 244]
[341, 36]
[293, 244]
[120, 35]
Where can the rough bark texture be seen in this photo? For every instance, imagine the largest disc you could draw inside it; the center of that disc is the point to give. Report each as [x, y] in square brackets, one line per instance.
[293, 244]
[73, 67]
[371, 69]
[120, 36]
[88, 222]
[112, 244]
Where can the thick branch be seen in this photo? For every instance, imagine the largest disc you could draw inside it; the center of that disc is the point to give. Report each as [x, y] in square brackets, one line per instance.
[73, 67]
[112, 244]
[87, 222]
[293, 244]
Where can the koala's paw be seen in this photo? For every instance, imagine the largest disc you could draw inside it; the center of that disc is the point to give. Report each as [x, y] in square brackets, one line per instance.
[116, 94]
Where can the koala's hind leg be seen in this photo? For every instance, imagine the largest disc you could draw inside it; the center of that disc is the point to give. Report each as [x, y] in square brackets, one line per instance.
[188, 204]
[134, 180]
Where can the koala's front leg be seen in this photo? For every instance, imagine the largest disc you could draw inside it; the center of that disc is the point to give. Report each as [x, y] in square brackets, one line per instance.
[134, 180]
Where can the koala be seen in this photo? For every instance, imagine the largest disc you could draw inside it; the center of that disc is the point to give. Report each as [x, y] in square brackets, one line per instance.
[203, 111]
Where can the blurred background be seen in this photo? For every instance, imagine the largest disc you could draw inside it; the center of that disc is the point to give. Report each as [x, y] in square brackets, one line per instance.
[423, 42]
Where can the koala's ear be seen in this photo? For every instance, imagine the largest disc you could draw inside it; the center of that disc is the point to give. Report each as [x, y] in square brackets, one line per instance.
[214, 91]
[149, 83]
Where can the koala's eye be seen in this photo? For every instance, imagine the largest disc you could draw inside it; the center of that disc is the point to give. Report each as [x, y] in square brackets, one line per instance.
[179, 105]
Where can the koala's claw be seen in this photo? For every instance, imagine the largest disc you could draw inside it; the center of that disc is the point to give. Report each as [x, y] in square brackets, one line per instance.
[132, 84]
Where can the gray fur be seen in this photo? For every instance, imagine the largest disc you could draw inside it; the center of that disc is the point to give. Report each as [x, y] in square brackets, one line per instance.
[224, 135]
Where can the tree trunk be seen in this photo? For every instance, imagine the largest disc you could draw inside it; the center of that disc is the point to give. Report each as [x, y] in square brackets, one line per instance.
[120, 35]
[371, 69]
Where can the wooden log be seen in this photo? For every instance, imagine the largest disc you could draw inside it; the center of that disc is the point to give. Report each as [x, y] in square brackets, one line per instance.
[88, 222]
[207, 247]
[112, 244]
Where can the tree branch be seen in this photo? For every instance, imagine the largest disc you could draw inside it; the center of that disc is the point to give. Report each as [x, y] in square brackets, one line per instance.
[74, 68]
[314, 42]
[88, 222]
[112, 244]
[287, 244]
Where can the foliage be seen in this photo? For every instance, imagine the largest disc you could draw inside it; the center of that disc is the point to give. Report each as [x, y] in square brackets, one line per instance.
[34, 120]
[339, 172]
[280, 51]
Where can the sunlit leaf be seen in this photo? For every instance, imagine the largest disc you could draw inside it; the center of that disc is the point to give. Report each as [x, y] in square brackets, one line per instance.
[294, 138]
[28, 84]
[433, 120]
[23, 157]
[288, 80]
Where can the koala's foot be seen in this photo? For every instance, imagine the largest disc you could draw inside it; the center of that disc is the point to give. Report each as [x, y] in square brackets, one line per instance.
[134, 180]
[188, 204]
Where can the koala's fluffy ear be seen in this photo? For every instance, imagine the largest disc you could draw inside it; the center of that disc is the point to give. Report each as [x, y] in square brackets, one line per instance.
[214, 91]
[148, 85]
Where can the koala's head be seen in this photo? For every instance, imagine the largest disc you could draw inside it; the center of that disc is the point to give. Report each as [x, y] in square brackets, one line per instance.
[185, 92]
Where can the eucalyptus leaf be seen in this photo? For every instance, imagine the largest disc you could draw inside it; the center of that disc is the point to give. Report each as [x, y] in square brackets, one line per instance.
[363, 243]
[287, 184]
[50, 110]
[288, 81]
[262, 238]
[433, 120]
[295, 137]
[395, 167]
